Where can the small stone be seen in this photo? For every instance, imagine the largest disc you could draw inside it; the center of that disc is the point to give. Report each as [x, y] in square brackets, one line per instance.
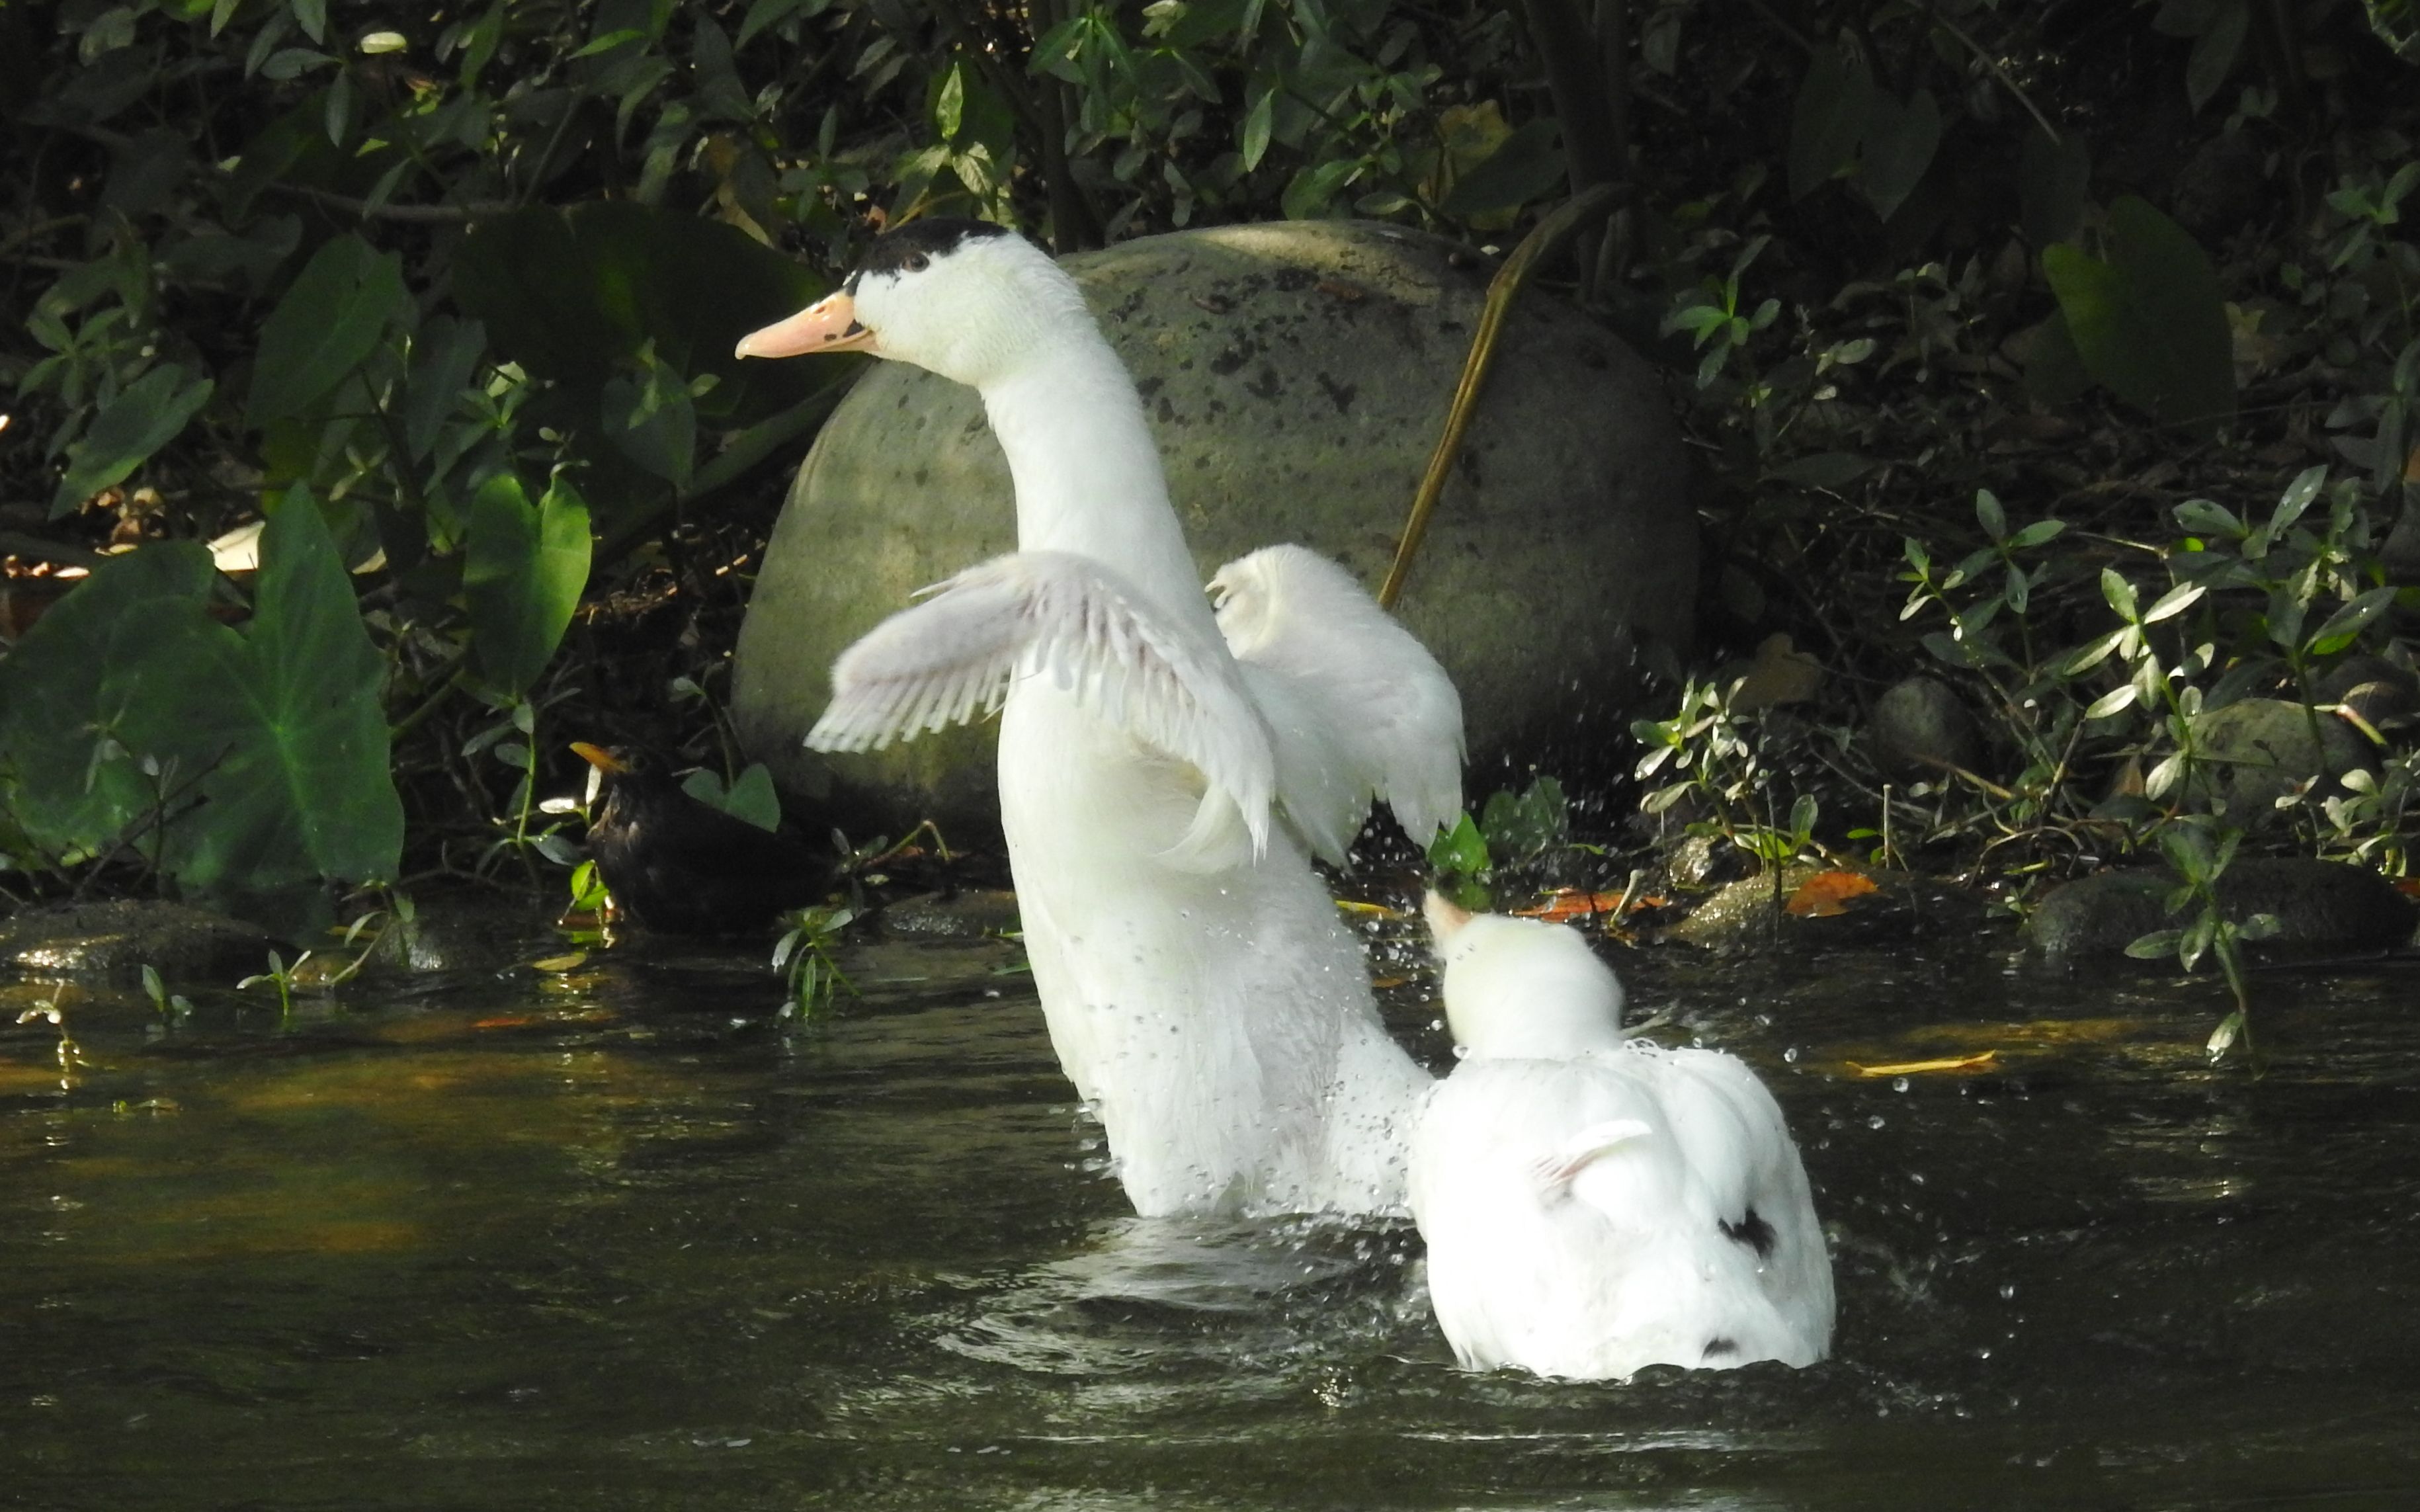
[966, 915]
[2317, 905]
[2371, 686]
[2261, 749]
[1921, 728]
[113, 941]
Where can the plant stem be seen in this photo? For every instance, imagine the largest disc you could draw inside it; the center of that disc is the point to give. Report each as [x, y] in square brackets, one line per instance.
[1578, 211]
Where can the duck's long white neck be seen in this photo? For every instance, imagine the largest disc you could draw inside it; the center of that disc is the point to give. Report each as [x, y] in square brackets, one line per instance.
[1087, 471]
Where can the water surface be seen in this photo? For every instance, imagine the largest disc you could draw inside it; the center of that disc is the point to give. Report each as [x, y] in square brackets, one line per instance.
[610, 1237]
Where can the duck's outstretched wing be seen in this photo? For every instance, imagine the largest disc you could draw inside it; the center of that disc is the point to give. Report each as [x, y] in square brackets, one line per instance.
[1357, 706]
[952, 658]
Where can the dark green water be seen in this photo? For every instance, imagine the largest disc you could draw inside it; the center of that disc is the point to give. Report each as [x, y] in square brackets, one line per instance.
[497, 1239]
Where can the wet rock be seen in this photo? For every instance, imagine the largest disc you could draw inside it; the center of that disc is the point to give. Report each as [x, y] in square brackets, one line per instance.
[2371, 686]
[2262, 749]
[2317, 904]
[1295, 376]
[1755, 913]
[1701, 861]
[113, 941]
[966, 915]
[1920, 727]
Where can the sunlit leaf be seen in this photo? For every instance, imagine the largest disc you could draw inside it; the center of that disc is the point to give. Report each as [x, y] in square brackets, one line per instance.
[2346, 625]
[523, 573]
[1526, 164]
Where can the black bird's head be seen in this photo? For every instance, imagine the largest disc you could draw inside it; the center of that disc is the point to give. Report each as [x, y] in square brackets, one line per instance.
[624, 767]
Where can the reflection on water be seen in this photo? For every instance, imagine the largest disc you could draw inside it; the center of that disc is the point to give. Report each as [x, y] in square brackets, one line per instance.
[607, 1239]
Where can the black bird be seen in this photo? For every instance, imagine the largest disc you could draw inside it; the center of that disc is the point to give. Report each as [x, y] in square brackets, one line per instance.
[680, 867]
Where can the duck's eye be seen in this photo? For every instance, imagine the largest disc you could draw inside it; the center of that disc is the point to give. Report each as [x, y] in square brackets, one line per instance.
[918, 263]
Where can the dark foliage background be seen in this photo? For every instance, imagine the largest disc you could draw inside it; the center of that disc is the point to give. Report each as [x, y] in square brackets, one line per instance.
[444, 295]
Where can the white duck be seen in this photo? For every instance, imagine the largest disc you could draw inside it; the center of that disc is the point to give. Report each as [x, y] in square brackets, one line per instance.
[1161, 786]
[1594, 1204]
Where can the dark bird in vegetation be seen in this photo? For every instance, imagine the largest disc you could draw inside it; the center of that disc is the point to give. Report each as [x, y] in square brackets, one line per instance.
[680, 867]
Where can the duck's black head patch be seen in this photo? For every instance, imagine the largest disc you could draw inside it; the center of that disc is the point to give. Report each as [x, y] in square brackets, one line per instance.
[915, 244]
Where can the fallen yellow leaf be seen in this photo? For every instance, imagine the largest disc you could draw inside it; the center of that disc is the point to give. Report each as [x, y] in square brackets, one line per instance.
[1827, 893]
[1948, 1063]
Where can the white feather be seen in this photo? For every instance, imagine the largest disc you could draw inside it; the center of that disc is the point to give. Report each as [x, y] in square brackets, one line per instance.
[1358, 706]
[1594, 1204]
[1072, 619]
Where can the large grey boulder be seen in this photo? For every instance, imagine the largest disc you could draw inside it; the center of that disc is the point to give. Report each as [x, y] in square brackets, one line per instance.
[1296, 375]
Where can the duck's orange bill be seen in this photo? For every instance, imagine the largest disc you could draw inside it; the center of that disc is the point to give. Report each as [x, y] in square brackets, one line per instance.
[596, 755]
[829, 324]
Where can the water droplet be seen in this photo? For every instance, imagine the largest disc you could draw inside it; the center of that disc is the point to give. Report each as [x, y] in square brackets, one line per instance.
[1876, 1121]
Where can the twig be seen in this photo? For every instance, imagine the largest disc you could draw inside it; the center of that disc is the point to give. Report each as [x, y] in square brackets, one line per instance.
[408, 215]
[1797, 37]
[1997, 71]
[1580, 210]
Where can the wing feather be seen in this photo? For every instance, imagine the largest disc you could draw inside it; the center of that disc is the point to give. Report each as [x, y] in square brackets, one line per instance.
[1356, 705]
[1069, 618]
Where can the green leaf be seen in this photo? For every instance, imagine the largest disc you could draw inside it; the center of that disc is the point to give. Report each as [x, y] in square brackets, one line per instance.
[522, 572]
[2036, 533]
[2215, 51]
[2119, 593]
[330, 319]
[572, 296]
[1254, 141]
[1308, 194]
[2203, 518]
[765, 13]
[1460, 850]
[2111, 702]
[1835, 102]
[2174, 601]
[2055, 370]
[2344, 626]
[1824, 470]
[1524, 165]
[751, 798]
[92, 686]
[146, 414]
[445, 353]
[950, 104]
[2152, 946]
[1989, 514]
[1520, 826]
[302, 791]
[1900, 140]
[2148, 322]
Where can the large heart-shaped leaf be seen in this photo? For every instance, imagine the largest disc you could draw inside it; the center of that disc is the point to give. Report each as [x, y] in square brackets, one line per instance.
[523, 573]
[2148, 321]
[302, 789]
[97, 684]
[329, 320]
[1835, 103]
